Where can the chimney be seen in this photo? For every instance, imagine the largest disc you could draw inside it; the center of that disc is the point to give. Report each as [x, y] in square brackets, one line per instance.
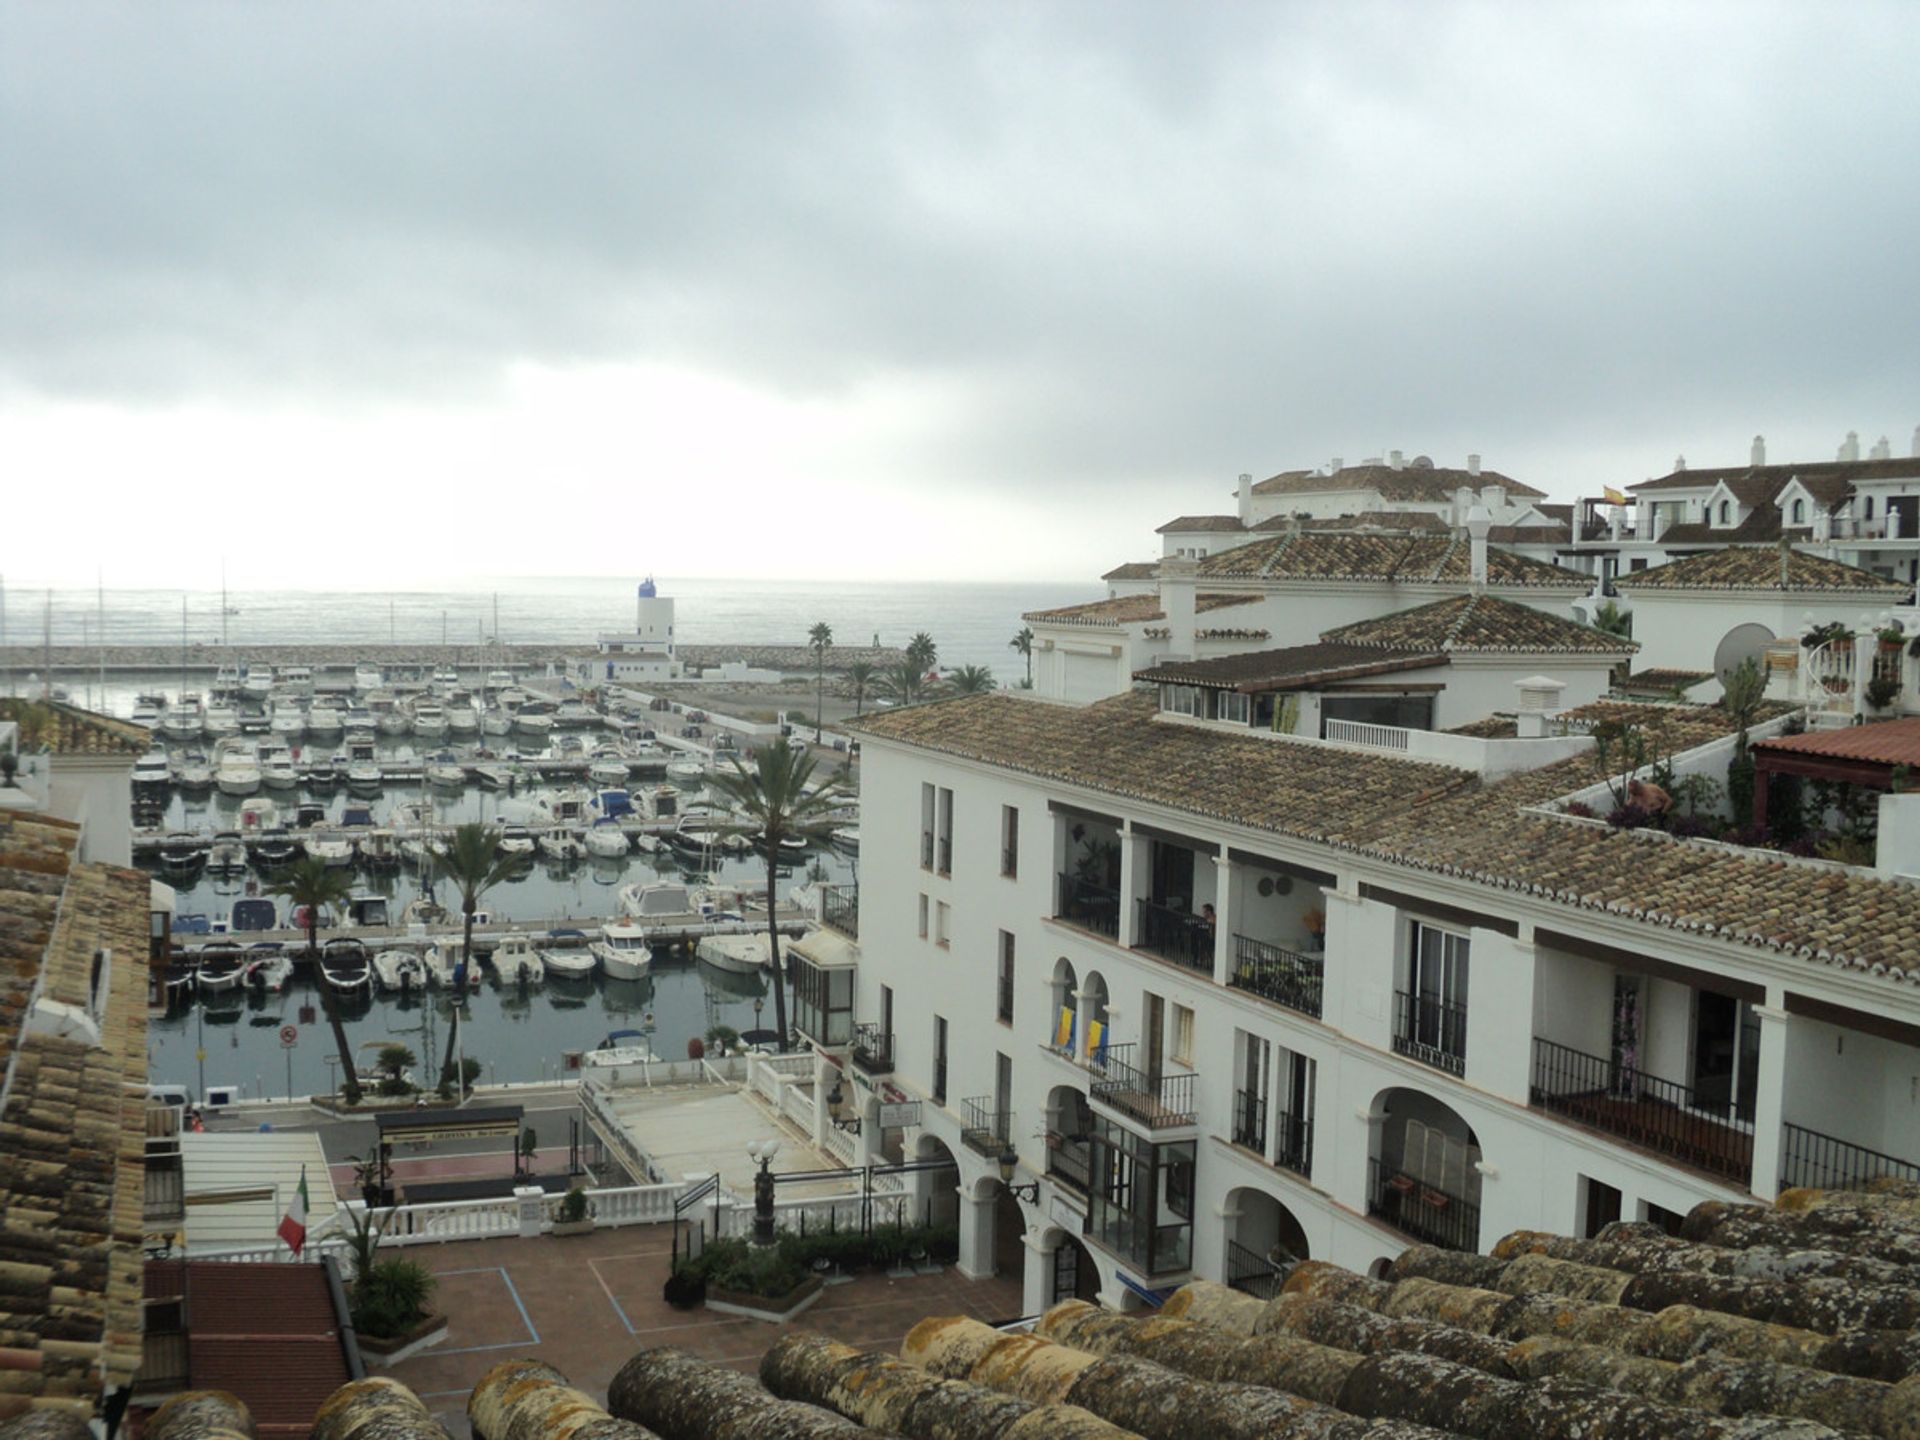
[1179, 577]
[1479, 522]
[1539, 702]
[1473, 464]
[1394, 459]
[1758, 456]
[1679, 463]
[1913, 447]
[1882, 449]
[1245, 499]
[1850, 447]
[1462, 502]
[1336, 465]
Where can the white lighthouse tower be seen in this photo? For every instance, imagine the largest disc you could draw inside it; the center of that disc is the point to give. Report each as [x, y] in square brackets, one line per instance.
[646, 654]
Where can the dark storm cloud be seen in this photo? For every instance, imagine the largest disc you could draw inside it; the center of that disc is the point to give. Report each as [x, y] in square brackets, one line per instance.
[1145, 242]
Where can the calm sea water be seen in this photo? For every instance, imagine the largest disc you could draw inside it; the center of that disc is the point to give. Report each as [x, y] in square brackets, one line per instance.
[971, 623]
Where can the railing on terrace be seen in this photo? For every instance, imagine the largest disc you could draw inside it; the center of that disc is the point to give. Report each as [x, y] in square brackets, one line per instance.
[1177, 935]
[1252, 1273]
[1293, 1143]
[1069, 1159]
[1282, 976]
[873, 1049]
[1822, 1162]
[840, 908]
[1434, 1032]
[1358, 732]
[163, 1361]
[1423, 1211]
[1158, 1102]
[983, 1128]
[1646, 1111]
[1091, 906]
[1250, 1120]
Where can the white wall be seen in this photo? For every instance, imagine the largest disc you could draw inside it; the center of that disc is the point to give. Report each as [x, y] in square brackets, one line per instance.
[1682, 631]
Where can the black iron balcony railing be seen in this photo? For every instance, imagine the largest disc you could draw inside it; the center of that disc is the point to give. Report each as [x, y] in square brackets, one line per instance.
[945, 865]
[1069, 1159]
[1432, 1031]
[926, 849]
[1157, 1102]
[1293, 1143]
[1089, 905]
[1252, 1273]
[1647, 1112]
[873, 1049]
[1177, 935]
[1282, 976]
[1250, 1120]
[840, 908]
[1423, 1211]
[984, 1129]
[1809, 1158]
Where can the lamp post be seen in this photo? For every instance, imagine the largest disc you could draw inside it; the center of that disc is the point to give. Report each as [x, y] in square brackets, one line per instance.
[762, 1152]
[759, 1002]
[1028, 1193]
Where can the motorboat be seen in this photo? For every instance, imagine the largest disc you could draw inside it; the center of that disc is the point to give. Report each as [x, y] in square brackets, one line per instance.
[274, 849]
[152, 771]
[321, 778]
[184, 721]
[285, 718]
[335, 852]
[462, 718]
[560, 843]
[255, 912]
[606, 841]
[790, 848]
[445, 676]
[515, 960]
[687, 772]
[277, 770]
[500, 680]
[575, 712]
[607, 766]
[568, 964]
[307, 814]
[257, 814]
[367, 676]
[147, 709]
[379, 853]
[646, 844]
[270, 970]
[493, 776]
[741, 954]
[612, 803]
[424, 910]
[363, 764]
[356, 816]
[571, 806]
[622, 952]
[733, 843]
[221, 720]
[192, 770]
[429, 719]
[444, 768]
[301, 917]
[325, 718]
[344, 967]
[496, 722]
[180, 853]
[221, 968]
[295, 678]
[662, 802]
[647, 900]
[417, 847]
[388, 717]
[399, 971]
[236, 768]
[178, 980]
[847, 838]
[535, 719]
[364, 907]
[228, 854]
[444, 968]
[256, 681]
[516, 840]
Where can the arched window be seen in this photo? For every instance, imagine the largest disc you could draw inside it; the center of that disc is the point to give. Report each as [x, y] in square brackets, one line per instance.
[1726, 510]
[1799, 512]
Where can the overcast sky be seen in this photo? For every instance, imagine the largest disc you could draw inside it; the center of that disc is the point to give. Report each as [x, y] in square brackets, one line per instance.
[356, 293]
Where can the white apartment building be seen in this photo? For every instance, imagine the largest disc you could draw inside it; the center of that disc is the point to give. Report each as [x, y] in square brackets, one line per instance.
[1178, 995]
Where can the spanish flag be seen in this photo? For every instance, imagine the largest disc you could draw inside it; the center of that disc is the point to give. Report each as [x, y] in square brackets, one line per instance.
[1063, 1032]
[1613, 496]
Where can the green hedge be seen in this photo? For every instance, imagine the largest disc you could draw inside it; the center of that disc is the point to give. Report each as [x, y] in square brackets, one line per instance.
[775, 1270]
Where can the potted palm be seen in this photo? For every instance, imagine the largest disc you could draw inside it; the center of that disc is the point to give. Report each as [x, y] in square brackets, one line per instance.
[574, 1214]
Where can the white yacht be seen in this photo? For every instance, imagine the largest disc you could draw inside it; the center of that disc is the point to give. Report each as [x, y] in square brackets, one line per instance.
[146, 711]
[366, 676]
[399, 971]
[388, 717]
[258, 814]
[515, 960]
[335, 853]
[236, 768]
[222, 967]
[534, 719]
[847, 838]
[444, 768]
[496, 722]
[571, 805]
[296, 678]
[445, 676]
[463, 718]
[277, 770]
[429, 719]
[192, 770]
[515, 840]
[606, 841]
[222, 719]
[607, 766]
[286, 719]
[228, 855]
[442, 962]
[622, 952]
[258, 683]
[561, 843]
[271, 971]
[363, 764]
[378, 852]
[500, 680]
[184, 721]
[567, 964]
[152, 770]
[325, 718]
[687, 772]
[741, 954]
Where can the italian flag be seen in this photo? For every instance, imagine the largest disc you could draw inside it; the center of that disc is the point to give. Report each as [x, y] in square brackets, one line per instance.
[293, 1225]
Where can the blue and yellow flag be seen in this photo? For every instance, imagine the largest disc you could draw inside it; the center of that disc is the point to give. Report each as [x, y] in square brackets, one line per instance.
[1063, 1032]
[1097, 1042]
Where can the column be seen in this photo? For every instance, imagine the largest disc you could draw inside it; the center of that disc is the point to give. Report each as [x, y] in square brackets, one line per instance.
[976, 1235]
[1223, 918]
[1132, 866]
[863, 1143]
[1769, 1102]
[1866, 640]
[821, 1083]
[1036, 1279]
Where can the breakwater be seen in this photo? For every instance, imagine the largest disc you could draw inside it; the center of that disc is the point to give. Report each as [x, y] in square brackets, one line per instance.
[792, 659]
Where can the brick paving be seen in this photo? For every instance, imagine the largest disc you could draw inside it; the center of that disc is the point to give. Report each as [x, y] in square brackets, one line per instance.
[586, 1303]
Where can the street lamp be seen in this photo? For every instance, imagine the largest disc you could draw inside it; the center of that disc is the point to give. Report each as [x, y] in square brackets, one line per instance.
[1030, 1192]
[762, 1153]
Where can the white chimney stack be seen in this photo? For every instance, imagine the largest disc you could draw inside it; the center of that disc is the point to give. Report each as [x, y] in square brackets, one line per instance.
[1850, 447]
[1539, 702]
[1336, 465]
[1913, 449]
[1473, 464]
[1758, 455]
[1462, 502]
[1394, 459]
[1245, 499]
[1179, 579]
[1882, 449]
[1679, 463]
[1479, 522]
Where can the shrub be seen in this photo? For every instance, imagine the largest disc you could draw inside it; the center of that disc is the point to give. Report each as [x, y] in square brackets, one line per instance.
[574, 1207]
[1689, 827]
[1629, 817]
[1581, 809]
[1882, 691]
[391, 1298]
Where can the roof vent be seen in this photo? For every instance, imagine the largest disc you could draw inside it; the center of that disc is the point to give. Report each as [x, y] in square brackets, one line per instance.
[1758, 455]
[1850, 447]
[1539, 701]
[1913, 448]
[1336, 465]
[1882, 449]
[1395, 460]
[1473, 461]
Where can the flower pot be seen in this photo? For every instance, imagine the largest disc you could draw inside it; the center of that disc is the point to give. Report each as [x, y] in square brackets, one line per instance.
[572, 1227]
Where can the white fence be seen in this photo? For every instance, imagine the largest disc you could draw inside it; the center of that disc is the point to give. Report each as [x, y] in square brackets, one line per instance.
[1358, 732]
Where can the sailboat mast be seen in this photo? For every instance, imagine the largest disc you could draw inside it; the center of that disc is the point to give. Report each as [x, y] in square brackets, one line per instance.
[100, 580]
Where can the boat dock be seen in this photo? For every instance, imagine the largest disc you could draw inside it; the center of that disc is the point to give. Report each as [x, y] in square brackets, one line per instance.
[663, 931]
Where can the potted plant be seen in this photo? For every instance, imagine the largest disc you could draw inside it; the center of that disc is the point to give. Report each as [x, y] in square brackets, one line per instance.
[686, 1288]
[574, 1214]
[1892, 637]
[1316, 922]
[1882, 691]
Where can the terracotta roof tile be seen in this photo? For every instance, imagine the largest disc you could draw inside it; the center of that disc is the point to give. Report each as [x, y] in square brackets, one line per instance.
[1761, 569]
[1887, 742]
[1295, 667]
[1129, 609]
[1410, 482]
[1843, 471]
[1201, 522]
[1480, 623]
[73, 731]
[1134, 570]
[1406, 559]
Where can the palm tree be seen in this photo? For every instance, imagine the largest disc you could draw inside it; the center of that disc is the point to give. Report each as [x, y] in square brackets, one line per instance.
[971, 679]
[1615, 621]
[774, 796]
[310, 885]
[861, 673]
[1022, 642]
[905, 682]
[922, 651]
[471, 859]
[819, 638]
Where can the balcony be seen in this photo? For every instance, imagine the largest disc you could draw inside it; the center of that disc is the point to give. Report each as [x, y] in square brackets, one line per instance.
[1430, 1030]
[873, 1049]
[1293, 1143]
[1661, 1116]
[840, 909]
[1253, 1274]
[1285, 977]
[1089, 905]
[1177, 935]
[1823, 1163]
[1250, 1120]
[985, 1130]
[1069, 1159]
[1161, 1102]
[1420, 1210]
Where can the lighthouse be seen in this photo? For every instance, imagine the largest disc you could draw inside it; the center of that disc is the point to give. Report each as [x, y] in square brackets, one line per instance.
[647, 653]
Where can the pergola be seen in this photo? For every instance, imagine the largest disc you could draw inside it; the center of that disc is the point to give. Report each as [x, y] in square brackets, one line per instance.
[1859, 754]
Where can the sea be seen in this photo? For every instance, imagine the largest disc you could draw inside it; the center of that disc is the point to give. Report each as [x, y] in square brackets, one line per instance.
[517, 1034]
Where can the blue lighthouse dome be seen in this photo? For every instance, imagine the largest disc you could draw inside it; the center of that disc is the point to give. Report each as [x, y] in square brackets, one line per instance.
[647, 592]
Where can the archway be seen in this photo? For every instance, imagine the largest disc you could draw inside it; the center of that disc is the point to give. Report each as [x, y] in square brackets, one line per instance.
[936, 1192]
[1071, 1271]
[1264, 1241]
[1093, 1011]
[1423, 1174]
[1063, 1015]
[1069, 1125]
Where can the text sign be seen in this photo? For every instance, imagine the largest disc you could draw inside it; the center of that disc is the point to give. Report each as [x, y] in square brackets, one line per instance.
[900, 1116]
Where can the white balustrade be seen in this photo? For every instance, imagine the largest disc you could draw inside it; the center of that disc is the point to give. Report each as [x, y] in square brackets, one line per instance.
[1358, 732]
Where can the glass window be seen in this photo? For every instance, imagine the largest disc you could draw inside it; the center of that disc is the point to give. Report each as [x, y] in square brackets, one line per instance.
[923, 917]
[942, 918]
[943, 862]
[1003, 1008]
[1009, 841]
[1235, 707]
